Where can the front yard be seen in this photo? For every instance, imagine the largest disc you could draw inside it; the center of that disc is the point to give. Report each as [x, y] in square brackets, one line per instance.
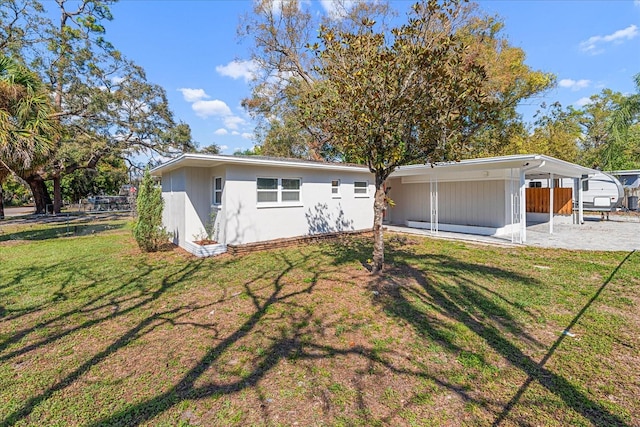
[92, 332]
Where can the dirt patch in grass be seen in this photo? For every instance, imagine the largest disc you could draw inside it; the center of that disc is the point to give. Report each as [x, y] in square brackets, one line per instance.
[451, 334]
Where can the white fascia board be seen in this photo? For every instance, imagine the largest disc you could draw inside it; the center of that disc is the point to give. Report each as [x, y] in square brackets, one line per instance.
[625, 172]
[207, 160]
[546, 165]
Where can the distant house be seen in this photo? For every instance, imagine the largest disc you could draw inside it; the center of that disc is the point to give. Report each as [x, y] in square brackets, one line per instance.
[258, 199]
[630, 180]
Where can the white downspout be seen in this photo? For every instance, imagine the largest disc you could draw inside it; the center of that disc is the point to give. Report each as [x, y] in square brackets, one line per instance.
[580, 201]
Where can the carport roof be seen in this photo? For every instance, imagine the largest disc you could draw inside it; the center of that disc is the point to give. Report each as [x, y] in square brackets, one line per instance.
[534, 165]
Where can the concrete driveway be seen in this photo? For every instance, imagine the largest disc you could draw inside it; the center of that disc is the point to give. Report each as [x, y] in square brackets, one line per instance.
[617, 234]
[620, 233]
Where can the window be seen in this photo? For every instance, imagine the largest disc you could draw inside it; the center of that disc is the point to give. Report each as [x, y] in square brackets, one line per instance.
[267, 190]
[535, 184]
[290, 190]
[335, 188]
[279, 190]
[361, 188]
[217, 190]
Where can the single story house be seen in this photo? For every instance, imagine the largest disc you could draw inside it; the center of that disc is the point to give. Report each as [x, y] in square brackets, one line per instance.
[255, 199]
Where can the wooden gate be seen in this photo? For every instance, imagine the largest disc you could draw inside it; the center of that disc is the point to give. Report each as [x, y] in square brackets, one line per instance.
[538, 200]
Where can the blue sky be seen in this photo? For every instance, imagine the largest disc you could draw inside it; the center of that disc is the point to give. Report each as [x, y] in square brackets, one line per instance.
[191, 49]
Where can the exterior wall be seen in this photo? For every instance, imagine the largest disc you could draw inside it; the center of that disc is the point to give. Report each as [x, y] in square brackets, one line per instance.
[467, 203]
[188, 196]
[412, 202]
[198, 203]
[174, 196]
[246, 221]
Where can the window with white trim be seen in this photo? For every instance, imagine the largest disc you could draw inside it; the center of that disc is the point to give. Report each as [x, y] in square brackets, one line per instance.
[290, 189]
[361, 188]
[279, 190]
[267, 190]
[217, 190]
[335, 188]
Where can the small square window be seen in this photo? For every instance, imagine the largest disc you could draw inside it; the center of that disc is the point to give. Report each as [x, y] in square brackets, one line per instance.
[361, 188]
[335, 188]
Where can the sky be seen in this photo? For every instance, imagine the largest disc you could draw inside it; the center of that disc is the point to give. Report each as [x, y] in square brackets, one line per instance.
[191, 49]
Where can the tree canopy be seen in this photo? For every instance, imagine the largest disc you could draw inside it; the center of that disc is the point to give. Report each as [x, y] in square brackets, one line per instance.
[103, 101]
[417, 95]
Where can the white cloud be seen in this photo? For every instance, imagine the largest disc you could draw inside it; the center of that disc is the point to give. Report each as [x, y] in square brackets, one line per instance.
[276, 6]
[233, 122]
[238, 69]
[594, 44]
[235, 133]
[337, 9]
[247, 135]
[636, 2]
[215, 107]
[574, 84]
[221, 131]
[223, 147]
[583, 101]
[193, 95]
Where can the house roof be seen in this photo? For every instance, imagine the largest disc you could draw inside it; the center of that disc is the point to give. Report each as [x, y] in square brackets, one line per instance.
[534, 165]
[209, 160]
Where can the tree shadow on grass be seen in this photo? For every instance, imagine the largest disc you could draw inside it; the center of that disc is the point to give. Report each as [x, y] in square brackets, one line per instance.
[461, 300]
[103, 307]
[70, 230]
[444, 285]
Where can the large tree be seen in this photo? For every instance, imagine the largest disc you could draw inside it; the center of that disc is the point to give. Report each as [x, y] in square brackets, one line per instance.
[285, 70]
[280, 32]
[413, 95]
[103, 100]
[556, 132]
[625, 129]
[28, 132]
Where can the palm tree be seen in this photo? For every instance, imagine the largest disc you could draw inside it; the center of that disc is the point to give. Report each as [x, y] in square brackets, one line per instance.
[624, 117]
[28, 129]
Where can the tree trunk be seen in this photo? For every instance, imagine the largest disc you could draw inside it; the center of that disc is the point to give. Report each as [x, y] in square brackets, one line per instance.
[57, 194]
[1, 202]
[378, 238]
[40, 193]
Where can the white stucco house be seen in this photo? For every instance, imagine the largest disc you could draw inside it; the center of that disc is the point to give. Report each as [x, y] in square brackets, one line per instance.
[257, 199]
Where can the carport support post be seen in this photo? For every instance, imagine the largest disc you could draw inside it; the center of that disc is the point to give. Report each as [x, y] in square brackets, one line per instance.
[523, 208]
[551, 186]
[581, 200]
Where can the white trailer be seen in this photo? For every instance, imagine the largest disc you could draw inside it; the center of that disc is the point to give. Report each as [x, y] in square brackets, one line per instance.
[602, 193]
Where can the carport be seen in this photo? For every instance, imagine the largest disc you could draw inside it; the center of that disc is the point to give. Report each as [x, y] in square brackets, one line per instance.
[479, 196]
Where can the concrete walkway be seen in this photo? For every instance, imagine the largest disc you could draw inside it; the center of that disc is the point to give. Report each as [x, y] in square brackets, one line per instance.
[617, 234]
[19, 211]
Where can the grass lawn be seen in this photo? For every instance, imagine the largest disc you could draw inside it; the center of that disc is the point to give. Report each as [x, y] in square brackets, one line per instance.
[92, 332]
